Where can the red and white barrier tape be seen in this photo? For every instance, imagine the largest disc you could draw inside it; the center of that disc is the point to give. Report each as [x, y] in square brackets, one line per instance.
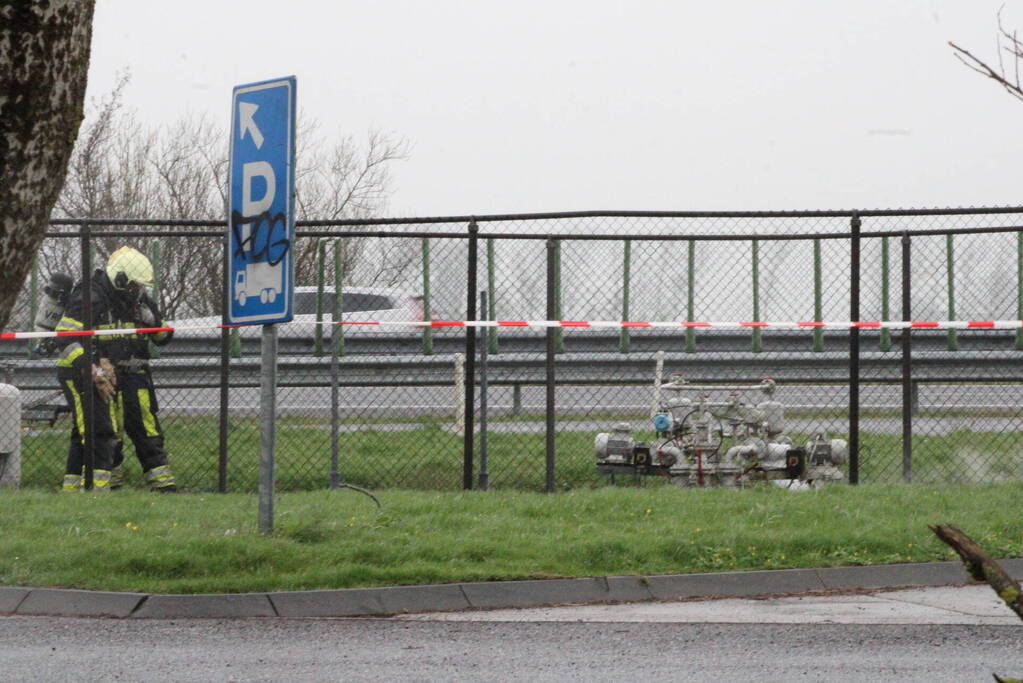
[591, 324]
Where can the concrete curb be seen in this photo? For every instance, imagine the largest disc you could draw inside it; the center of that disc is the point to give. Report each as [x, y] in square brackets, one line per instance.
[373, 602]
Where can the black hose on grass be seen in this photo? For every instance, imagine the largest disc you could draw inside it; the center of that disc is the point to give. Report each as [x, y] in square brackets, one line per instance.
[362, 491]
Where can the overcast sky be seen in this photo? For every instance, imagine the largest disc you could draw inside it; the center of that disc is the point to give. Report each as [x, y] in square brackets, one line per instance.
[582, 104]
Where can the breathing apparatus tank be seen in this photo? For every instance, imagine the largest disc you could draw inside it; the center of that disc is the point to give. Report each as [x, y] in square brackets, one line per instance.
[51, 308]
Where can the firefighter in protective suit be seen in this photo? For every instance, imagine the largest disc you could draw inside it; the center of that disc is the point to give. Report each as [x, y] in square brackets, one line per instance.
[121, 376]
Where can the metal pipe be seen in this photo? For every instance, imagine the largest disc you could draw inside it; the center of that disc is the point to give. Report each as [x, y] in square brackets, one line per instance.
[154, 350]
[492, 289]
[818, 306]
[690, 295]
[339, 299]
[552, 249]
[886, 334]
[470, 357]
[427, 331]
[907, 364]
[953, 341]
[235, 340]
[88, 393]
[566, 214]
[321, 276]
[484, 480]
[623, 343]
[268, 428]
[758, 344]
[336, 340]
[559, 334]
[854, 351]
[391, 234]
[225, 364]
[1019, 287]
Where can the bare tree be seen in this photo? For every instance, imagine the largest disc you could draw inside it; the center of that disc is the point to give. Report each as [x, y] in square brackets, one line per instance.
[1008, 44]
[44, 62]
[122, 169]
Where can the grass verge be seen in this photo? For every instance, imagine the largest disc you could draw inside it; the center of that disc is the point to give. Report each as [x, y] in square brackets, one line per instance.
[427, 455]
[196, 543]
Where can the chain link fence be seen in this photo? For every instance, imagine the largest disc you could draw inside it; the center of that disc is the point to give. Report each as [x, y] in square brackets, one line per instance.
[403, 407]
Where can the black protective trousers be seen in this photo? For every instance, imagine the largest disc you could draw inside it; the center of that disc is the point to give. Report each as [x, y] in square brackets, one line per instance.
[104, 424]
[139, 421]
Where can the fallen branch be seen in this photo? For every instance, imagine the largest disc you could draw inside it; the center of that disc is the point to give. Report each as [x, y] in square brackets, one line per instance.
[982, 566]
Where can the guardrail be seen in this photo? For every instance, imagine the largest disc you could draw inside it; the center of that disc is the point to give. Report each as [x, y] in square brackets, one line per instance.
[362, 342]
[571, 368]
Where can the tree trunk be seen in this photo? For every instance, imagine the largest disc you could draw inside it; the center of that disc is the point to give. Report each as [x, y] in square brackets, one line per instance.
[44, 62]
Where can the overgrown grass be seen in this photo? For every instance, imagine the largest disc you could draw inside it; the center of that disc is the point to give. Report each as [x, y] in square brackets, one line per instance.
[427, 455]
[134, 541]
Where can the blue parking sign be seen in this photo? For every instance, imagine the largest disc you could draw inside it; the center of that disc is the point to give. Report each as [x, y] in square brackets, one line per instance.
[261, 222]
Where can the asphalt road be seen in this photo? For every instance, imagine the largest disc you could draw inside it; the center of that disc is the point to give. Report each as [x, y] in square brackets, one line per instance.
[37, 648]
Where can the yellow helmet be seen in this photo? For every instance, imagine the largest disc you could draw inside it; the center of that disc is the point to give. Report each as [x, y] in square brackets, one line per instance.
[126, 266]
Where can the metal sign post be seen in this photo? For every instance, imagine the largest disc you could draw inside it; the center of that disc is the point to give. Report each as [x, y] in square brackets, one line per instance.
[261, 230]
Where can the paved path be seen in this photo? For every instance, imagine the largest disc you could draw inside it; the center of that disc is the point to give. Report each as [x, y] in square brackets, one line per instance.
[966, 605]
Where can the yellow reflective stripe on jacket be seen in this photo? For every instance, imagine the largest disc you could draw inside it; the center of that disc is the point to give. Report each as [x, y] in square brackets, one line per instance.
[67, 324]
[67, 357]
[119, 325]
[148, 419]
[79, 413]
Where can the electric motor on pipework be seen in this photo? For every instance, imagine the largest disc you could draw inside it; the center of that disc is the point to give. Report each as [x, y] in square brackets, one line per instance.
[615, 447]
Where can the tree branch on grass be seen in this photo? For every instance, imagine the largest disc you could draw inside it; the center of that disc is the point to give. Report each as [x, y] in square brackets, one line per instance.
[983, 567]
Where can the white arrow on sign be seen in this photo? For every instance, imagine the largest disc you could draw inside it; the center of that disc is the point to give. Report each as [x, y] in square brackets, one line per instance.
[246, 122]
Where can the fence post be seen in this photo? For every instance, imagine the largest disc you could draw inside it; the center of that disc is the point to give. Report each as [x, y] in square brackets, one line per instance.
[459, 374]
[235, 338]
[491, 311]
[484, 479]
[758, 344]
[623, 343]
[267, 428]
[338, 331]
[88, 402]
[552, 293]
[33, 306]
[1019, 287]
[854, 351]
[427, 330]
[336, 347]
[470, 356]
[886, 334]
[818, 305]
[226, 338]
[321, 276]
[953, 341]
[154, 350]
[559, 334]
[690, 295]
[907, 365]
